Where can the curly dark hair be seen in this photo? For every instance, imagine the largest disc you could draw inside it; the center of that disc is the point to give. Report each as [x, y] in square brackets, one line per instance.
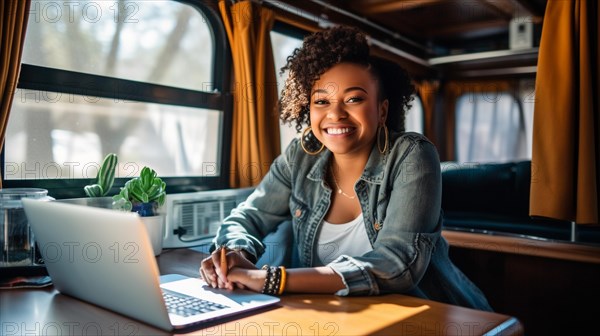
[322, 50]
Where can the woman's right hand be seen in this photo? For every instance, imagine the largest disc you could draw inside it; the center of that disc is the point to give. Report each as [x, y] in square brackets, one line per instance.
[251, 279]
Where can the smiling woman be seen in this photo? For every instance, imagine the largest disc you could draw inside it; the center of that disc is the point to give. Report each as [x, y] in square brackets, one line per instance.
[346, 112]
[379, 231]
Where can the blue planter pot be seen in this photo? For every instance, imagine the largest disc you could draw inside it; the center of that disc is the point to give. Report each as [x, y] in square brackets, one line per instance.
[145, 209]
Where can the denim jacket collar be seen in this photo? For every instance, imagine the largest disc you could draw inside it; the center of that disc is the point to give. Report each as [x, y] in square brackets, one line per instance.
[319, 170]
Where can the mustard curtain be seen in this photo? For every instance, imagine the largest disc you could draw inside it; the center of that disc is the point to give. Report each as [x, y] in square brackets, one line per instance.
[565, 131]
[13, 15]
[255, 142]
[427, 91]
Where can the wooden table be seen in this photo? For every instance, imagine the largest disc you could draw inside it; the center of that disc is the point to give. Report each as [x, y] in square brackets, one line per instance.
[47, 312]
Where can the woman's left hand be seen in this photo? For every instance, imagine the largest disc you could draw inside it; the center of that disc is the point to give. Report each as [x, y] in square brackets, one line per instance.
[213, 274]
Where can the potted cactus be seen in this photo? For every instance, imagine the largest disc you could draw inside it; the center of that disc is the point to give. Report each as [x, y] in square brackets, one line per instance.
[97, 193]
[104, 179]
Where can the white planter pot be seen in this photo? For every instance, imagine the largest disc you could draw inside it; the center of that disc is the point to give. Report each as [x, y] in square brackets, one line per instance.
[155, 225]
[97, 202]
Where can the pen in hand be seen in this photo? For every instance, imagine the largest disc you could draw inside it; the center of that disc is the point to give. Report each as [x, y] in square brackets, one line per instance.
[223, 261]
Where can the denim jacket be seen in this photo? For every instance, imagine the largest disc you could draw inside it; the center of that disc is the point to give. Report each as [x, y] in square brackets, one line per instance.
[400, 196]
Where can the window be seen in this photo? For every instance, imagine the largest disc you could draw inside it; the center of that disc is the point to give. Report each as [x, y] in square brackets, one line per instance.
[414, 116]
[151, 41]
[283, 46]
[138, 78]
[490, 127]
[527, 98]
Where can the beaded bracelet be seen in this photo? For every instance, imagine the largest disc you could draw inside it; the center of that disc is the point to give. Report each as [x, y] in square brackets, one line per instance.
[266, 284]
[274, 281]
[270, 280]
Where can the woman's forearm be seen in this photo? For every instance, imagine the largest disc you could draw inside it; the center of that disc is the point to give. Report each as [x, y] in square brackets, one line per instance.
[322, 280]
[313, 280]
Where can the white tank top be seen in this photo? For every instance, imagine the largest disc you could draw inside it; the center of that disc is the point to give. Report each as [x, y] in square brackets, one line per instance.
[343, 239]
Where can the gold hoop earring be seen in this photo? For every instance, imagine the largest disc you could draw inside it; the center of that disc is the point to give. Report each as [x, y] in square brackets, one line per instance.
[304, 133]
[385, 145]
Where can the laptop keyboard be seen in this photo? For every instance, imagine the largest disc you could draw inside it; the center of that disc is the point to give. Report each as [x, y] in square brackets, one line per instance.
[186, 306]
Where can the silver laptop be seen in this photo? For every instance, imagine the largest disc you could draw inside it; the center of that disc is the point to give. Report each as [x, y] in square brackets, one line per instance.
[105, 257]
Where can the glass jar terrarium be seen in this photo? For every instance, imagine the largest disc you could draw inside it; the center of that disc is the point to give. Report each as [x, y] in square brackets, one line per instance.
[16, 238]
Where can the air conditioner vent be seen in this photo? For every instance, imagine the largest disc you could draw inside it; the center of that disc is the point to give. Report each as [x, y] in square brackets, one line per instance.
[202, 218]
[193, 218]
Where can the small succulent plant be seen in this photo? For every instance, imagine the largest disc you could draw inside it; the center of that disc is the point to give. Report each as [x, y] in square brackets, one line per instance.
[143, 194]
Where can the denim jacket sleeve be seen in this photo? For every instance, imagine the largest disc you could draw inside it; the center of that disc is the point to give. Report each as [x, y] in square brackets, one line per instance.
[261, 212]
[408, 206]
